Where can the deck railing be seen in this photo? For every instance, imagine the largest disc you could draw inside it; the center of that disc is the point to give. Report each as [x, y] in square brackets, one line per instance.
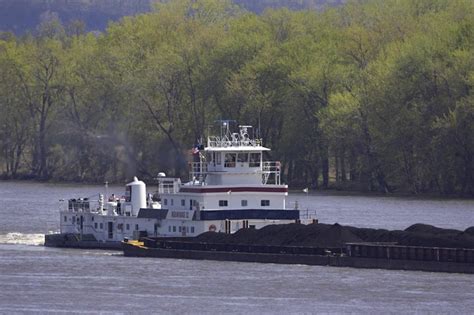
[270, 171]
[80, 205]
[168, 185]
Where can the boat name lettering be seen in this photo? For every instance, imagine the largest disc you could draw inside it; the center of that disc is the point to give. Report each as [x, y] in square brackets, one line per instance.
[179, 214]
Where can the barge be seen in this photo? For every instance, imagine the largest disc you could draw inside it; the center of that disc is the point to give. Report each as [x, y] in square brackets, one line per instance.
[357, 255]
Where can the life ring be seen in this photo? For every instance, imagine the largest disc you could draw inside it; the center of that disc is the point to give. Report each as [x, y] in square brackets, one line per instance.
[212, 228]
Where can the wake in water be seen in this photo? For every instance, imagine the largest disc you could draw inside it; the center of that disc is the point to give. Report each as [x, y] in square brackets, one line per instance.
[22, 239]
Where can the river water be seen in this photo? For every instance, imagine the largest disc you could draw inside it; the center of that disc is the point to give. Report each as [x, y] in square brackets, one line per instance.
[35, 279]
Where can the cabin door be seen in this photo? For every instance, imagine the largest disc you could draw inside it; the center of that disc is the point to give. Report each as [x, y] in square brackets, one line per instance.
[110, 229]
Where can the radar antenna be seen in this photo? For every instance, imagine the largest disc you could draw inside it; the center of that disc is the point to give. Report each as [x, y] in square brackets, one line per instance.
[225, 127]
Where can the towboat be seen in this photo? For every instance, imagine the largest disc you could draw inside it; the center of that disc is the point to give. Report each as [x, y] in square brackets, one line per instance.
[231, 186]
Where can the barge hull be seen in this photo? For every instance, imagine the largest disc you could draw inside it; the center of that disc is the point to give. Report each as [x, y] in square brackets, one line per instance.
[133, 249]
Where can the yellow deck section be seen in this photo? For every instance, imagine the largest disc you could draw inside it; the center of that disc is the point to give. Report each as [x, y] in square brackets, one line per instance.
[136, 243]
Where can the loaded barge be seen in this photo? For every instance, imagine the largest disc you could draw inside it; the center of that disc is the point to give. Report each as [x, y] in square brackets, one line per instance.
[357, 255]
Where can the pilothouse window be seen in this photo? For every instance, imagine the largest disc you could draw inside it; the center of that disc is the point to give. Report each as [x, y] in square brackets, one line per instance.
[213, 158]
[242, 157]
[223, 203]
[230, 159]
[255, 159]
[128, 194]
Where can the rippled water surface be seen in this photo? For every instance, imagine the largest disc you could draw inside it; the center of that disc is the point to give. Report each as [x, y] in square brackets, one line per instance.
[35, 279]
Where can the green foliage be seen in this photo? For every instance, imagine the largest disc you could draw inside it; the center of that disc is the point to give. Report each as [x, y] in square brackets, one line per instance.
[371, 95]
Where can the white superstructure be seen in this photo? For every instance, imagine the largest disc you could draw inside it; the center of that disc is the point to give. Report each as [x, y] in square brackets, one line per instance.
[230, 187]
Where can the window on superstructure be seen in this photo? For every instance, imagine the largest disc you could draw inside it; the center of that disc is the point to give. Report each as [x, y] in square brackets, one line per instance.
[192, 229]
[101, 226]
[65, 218]
[223, 203]
[254, 160]
[169, 228]
[242, 157]
[174, 228]
[92, 218]
[172, 201]
[265, 203]
[127, 226]
[95, 225]
[183, 202]
[165, 202]
[244, 203]
[136, 227]
[230, 159]
[218, 158]
[128, 194]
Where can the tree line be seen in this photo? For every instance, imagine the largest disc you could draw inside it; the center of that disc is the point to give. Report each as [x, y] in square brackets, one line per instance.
[370, 95]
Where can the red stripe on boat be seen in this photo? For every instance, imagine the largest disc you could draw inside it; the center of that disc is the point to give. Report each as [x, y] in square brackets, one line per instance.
[233, 189]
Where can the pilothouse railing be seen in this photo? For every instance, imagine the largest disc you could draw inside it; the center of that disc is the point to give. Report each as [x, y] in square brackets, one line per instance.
[197, 172]
[271, 171]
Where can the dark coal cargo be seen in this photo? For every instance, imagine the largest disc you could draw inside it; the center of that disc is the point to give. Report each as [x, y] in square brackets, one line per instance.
[336, 235]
